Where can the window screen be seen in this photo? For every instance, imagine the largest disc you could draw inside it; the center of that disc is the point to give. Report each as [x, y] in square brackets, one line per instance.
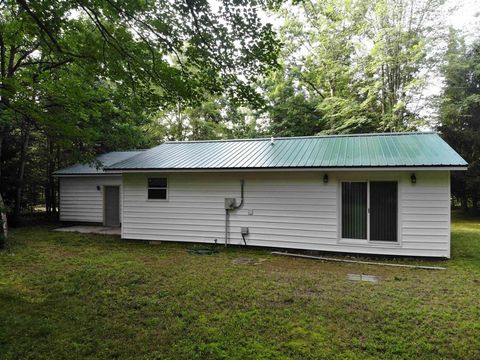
[374, 203]
[354, 210]
[383, 210]
[157, 188]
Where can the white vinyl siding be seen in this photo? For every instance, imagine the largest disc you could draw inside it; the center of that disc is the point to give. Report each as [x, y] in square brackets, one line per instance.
[286, 209]
[80, 201]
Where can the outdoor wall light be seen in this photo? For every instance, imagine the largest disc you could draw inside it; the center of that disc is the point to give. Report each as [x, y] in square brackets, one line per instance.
[413, 178]
[325, 178]
[98, 187]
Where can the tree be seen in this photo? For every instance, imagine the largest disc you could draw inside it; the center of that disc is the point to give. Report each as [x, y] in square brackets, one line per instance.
[358, 65]
[292, 109]
[217, 117]
[81, 77]
[3, 224]
[318, 68]
[405, 37]
[460, 116]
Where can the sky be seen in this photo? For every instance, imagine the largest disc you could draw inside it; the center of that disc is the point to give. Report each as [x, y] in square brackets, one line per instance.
[463, 15]
[466, 16]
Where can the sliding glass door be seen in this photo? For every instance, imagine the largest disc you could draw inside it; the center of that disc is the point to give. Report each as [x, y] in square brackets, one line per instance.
[369, 210]
[354, 210]
[383, 210]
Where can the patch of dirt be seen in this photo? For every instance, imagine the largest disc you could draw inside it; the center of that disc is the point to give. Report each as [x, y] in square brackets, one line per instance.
[310, 293]
[247, 261]
[62, 253]
[148, 260]
[280, 302]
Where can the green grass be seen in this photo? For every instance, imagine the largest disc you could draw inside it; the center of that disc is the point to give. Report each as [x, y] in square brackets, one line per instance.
[82, 296]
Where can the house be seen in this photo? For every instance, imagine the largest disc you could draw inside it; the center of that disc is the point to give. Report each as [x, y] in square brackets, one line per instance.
[89, 195]
[383, 194]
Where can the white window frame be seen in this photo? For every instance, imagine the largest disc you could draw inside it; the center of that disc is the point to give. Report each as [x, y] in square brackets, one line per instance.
[367, 241]
[157, 187]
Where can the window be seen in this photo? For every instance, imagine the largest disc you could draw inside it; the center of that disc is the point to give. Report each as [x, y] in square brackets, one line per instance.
[157, 188]
[369, 210]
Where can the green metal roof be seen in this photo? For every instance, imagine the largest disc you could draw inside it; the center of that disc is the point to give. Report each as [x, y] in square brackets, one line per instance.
[338, 151]
[105, 160]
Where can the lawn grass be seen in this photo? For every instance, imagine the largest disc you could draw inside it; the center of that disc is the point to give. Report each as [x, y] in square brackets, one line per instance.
[74, 296]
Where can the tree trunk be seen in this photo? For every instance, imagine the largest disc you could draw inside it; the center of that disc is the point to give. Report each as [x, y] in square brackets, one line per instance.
[1, 148]
[3, 210]
[53, 192]
[56, 185]
[475, 203]
[464, 201]
[3, 224]
[21, 171]
[50, 201]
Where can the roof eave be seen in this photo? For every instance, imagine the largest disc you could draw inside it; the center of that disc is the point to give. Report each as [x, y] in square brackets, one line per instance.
[113, 172]
[310, 168]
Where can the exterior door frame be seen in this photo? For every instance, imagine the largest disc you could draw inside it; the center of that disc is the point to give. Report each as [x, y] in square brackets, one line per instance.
[367, 241]
[397, 230]
[105, 204]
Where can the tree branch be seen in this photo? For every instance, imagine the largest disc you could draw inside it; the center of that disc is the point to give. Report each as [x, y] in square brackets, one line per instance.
[53, 43]
[2, 57]
[27, 53]
[317, 90]
[23, 4]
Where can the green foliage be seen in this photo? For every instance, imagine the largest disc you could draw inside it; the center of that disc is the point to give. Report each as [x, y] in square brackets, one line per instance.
[460, 115]
[353, 66]
[141, 56]
[291, 111]
[218, 117]
[82, 78]
[183, 48]
[347, 116]
[66, 295]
